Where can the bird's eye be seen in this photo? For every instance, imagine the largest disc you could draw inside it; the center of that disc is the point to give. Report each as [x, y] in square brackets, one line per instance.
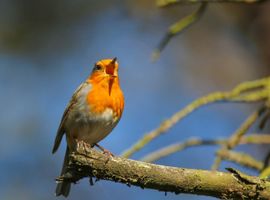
[97, 67]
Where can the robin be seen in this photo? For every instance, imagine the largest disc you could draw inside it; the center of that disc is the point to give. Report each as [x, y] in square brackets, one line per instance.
[93, 111]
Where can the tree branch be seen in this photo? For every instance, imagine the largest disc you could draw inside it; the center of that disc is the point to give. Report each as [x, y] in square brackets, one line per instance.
[234, 185]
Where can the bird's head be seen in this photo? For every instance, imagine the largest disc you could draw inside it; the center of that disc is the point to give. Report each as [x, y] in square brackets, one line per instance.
[106, 68]
[105, 74]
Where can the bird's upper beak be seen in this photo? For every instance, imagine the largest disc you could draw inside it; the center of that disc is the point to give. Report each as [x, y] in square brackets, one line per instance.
[110, 69]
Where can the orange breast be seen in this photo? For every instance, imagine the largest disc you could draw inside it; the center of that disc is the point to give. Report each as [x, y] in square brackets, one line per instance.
[103, 96]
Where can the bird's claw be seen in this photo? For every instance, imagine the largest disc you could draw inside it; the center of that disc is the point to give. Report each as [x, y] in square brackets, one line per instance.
[105, 151]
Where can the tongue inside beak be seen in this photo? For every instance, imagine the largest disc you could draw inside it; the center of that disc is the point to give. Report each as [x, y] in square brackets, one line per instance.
[111, 66]
[110, 70]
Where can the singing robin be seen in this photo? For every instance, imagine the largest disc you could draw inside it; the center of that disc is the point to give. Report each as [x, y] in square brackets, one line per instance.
[93, 111]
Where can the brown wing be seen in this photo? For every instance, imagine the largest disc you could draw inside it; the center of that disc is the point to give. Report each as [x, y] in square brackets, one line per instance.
[61, 129]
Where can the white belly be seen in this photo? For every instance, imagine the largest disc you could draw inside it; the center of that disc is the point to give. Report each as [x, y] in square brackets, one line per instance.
[82, 125]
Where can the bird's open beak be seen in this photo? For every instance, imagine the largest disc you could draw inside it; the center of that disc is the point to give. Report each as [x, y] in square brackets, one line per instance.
[114, 60]
[111, 68]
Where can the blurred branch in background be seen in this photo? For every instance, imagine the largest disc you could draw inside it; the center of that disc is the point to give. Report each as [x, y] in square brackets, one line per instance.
[178, 27]
[168, 150]
[252, 91]
[240, 158]
[193, 142]
[88, 162]
[189, 20]
[236, 137]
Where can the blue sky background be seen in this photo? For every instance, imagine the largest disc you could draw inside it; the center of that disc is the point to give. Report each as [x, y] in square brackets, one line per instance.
[48, 48]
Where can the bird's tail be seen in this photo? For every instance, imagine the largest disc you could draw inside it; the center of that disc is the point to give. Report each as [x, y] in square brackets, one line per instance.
[63, 187]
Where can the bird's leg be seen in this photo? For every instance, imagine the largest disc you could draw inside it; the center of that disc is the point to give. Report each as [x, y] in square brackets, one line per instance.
[105, 151]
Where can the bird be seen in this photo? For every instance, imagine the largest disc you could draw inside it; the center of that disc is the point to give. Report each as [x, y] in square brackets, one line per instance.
[93, 111]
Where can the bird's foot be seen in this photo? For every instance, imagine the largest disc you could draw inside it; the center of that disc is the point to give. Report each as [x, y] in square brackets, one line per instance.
[105, 151]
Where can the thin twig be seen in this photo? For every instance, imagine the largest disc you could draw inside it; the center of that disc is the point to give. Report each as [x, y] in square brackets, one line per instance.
[251, 97]
[178, 27]
[168, 150]
[265, 173]
[236, 137]
[264, 120]
[255, 138]
[242, 159]
[192, 142]
[266, 161]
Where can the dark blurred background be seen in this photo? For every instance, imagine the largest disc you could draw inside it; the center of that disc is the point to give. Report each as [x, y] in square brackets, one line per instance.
[47, 48]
